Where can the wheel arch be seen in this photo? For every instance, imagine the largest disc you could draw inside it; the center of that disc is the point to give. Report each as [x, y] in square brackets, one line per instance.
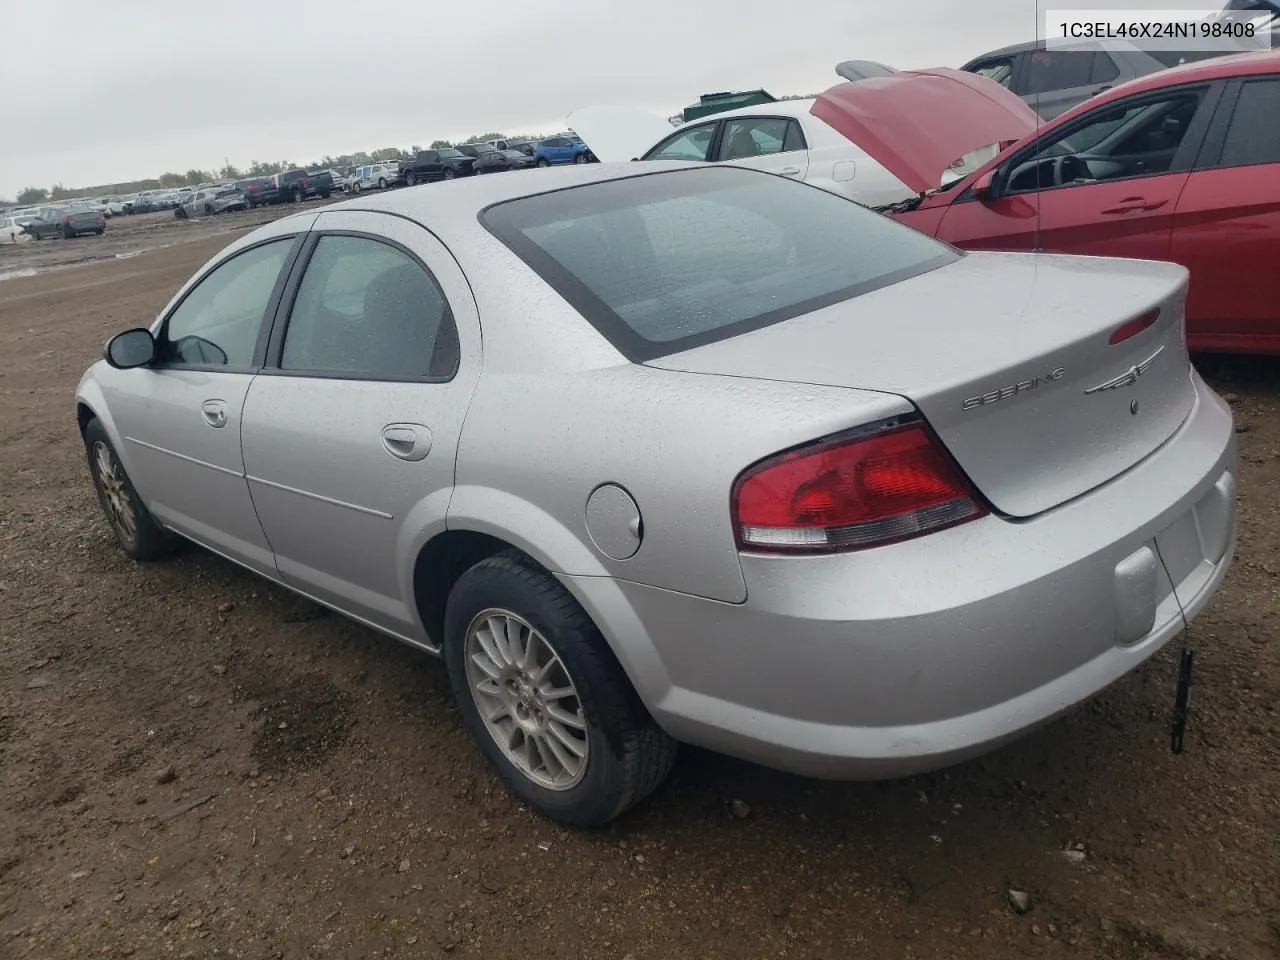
[483, 522]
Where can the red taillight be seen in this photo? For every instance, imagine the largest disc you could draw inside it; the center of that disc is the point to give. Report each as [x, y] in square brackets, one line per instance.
[1134, 327]
[852, 493]
[69, 219]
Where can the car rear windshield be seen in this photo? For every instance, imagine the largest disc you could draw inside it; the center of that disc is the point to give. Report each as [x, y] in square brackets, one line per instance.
[664, 262]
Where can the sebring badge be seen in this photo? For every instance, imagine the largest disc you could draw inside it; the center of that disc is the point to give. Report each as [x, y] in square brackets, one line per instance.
[1129, 377]
[1013, 389]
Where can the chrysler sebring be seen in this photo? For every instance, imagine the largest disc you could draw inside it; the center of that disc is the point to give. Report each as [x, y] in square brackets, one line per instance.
[691, 454]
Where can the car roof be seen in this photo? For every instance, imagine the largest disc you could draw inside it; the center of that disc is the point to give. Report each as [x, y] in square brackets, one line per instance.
[451, 209]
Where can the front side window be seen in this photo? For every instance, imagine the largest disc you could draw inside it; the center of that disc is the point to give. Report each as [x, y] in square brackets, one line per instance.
[1141, 139]
[753, 137]
[663, 262]
[367, 310]
[1000, 70]
[217, 323]
[1254, 135]
[691, 144]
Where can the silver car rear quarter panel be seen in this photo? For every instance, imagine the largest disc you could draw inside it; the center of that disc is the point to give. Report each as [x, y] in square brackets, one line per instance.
[908, 657]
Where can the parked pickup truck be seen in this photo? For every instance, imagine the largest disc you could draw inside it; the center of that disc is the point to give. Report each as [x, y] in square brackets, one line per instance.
[319, 183]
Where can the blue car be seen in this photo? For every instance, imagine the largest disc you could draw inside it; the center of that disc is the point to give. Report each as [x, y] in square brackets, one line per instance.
[561, 149]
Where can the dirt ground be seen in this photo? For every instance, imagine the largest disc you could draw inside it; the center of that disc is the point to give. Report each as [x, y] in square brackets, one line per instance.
[195, 764]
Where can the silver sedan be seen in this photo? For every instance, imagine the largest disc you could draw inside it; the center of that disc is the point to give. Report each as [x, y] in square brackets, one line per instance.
[696, 455]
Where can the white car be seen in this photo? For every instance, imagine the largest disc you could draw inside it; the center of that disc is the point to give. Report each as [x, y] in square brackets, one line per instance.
[782, 138]
[11, 225]
[373, 176]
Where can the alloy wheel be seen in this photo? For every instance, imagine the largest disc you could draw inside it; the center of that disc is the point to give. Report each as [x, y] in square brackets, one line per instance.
[115, 495]
[526, 699]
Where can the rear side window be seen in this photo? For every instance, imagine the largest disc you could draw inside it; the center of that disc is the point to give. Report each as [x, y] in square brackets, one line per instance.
[367, 310]
[1051, 70]
[1254, 134]
[664, 262]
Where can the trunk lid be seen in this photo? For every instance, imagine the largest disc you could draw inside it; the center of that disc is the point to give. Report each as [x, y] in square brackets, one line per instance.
[618, 133]
[917, 123]
[1008, 356]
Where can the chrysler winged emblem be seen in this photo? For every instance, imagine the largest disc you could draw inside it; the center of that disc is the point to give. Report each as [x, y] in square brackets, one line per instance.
[1129, 377]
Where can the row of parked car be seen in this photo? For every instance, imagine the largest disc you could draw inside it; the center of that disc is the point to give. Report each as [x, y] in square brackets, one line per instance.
[89, 215]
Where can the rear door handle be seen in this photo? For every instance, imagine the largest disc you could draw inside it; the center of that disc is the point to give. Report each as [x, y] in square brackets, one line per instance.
[406, 441]
[1130, 204]
[214, 413]
[789, 171]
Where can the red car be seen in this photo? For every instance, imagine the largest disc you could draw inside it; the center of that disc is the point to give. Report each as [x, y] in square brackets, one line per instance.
[1180, 165]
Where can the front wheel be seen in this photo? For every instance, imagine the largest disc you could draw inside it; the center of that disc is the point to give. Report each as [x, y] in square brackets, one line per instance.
[411, 180]
[135, 529]
[298, 195]
[449, 173]
[382, 183]
[542, 693]
[580, 158]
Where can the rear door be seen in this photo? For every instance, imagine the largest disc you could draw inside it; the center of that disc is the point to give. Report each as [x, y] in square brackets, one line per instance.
[773, 144]
[1107, 184]
[352, 426]
[1227, 224]
[1054, 81]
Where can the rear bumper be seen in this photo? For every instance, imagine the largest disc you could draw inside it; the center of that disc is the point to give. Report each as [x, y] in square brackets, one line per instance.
[911, 657]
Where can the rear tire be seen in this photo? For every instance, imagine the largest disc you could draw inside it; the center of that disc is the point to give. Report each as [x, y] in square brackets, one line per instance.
[67, 232]
[543, 162]
[136, 531]
[411, 179]
[382, 183]
[580, 158]
[584, 702]
[298, 195]
[450, 173]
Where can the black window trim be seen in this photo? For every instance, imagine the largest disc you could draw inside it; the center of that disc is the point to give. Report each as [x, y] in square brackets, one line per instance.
[720, 134]
[284, 310]
[713, 145]
[1182, 161]
[616, 331]
[1215, 141]
[268, 314]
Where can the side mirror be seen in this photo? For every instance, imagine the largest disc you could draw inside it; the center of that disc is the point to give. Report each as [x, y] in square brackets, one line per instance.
[984, 188]
[132, 348]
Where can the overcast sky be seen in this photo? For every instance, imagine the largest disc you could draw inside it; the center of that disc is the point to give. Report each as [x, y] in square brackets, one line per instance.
[97, 91]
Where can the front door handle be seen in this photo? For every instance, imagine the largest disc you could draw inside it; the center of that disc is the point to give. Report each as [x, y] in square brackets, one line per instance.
[1130, 204]
[790, 171]
[406, 441]
[214, 412]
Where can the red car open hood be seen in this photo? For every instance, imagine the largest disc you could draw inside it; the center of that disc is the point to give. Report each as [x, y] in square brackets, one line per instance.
[917, 123]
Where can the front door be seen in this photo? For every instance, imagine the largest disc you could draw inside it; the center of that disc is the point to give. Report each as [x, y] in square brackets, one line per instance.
[351, 430]
[1105, 185]
[180, 419]
[1227, 226]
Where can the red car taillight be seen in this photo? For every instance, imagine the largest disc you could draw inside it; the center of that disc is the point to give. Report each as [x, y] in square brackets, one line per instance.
[69, 219]
[851, 493]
